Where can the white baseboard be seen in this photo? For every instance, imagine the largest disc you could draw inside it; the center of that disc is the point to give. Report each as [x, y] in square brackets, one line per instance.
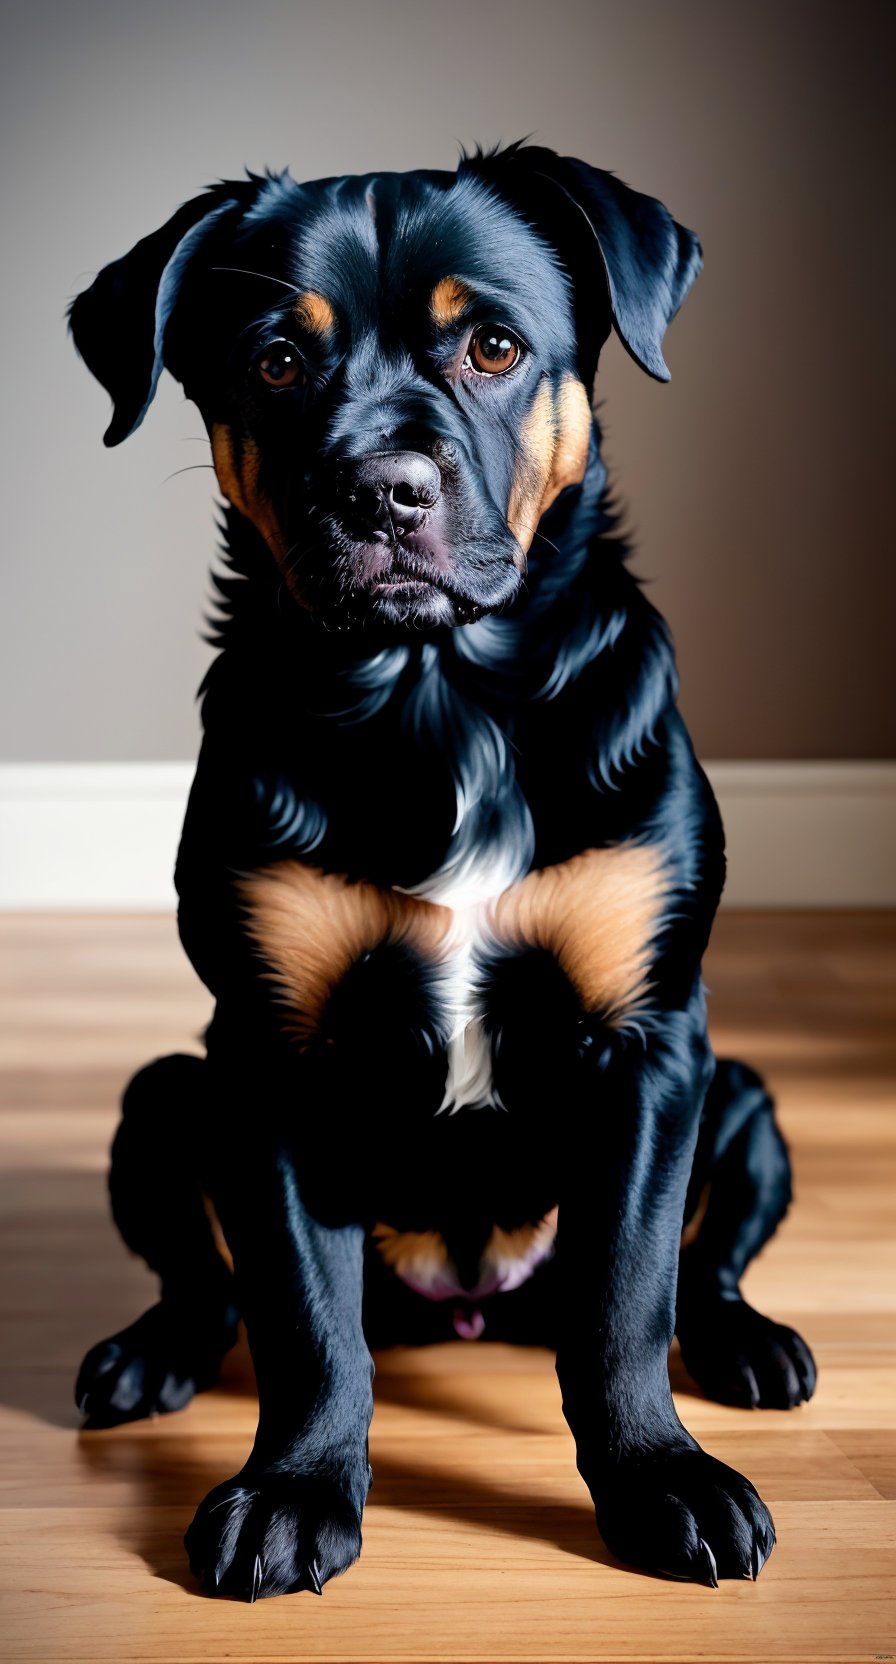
[808, 834]
[102, 837]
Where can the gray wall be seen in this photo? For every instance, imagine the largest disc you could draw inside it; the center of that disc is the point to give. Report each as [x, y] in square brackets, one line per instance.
[760, 482]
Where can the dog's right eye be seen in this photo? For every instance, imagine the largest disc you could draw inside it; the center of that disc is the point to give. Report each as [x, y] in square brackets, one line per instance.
[493, 351]
[279, 364]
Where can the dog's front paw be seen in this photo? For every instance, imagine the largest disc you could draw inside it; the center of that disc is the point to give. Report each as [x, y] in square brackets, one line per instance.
[153, 1366]
[273, 1533]
[682, 1514]
[740, 1357]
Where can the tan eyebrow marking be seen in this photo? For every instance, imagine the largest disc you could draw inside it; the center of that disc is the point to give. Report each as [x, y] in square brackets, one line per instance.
[597, 914]
[312, 926]
[450, 297]
[315, 313]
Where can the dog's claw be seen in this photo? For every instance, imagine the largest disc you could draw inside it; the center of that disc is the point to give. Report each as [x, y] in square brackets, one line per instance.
[760, 1553]
[706, 1557]
[312, 1572]
[256, 1580]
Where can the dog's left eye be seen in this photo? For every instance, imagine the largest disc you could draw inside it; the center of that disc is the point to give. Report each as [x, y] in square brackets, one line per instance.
[279, 364]
[492, 350]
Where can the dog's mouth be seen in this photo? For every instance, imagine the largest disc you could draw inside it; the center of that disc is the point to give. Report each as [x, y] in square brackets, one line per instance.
[410, 581]
[415, 577]
[407, 574]
[416, 580]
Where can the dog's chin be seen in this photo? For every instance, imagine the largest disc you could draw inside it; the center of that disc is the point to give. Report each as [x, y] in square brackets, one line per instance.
[412, 605]
[420, 604]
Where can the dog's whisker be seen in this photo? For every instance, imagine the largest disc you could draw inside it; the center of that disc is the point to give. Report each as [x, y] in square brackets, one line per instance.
[246, 271]
[191, 468]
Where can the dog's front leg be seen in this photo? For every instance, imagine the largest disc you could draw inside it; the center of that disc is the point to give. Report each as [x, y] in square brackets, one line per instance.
[661, 1502]
[291, 1518]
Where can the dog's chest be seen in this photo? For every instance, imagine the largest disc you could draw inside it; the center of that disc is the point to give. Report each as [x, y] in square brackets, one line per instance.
[596, 915]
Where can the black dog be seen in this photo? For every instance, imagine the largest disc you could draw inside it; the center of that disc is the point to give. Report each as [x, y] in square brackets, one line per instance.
[450, 887]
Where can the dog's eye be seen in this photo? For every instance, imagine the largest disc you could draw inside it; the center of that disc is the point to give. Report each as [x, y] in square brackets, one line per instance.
[492, 350]
[279, 364]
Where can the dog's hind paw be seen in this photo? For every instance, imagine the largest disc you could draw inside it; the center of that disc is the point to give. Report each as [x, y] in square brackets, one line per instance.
[278, 1533]
[152, 1367]
[682, 1514]
[740, 1357]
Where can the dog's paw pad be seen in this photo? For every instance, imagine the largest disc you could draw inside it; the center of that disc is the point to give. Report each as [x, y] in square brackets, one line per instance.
[273, 1534]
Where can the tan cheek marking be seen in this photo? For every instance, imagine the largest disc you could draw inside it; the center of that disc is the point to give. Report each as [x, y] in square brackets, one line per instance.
[537, 442]
[574, 420]
[449, 299]
[553, 454]
[315, 313]
[597, 914]
[239, 482]
[312, 927]
[418, 1257]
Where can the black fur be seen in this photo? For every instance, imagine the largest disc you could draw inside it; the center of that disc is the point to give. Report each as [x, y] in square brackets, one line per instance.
[395, 703]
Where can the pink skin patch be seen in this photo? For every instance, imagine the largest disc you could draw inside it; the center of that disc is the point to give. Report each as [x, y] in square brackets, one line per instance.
[468, 1322]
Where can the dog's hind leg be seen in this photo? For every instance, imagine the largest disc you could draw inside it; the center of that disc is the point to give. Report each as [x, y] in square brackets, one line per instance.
[175, 1348]
[742, 1182]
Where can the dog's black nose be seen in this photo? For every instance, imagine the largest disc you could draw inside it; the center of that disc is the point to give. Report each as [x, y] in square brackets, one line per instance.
[392, 490]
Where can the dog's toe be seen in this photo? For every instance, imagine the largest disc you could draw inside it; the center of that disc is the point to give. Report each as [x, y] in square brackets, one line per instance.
[153, 1367]
[740, 1357]
[264, 1534]
[682, 1514]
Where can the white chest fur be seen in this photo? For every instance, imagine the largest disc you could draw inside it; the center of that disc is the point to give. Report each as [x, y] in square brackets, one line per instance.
[470, 899]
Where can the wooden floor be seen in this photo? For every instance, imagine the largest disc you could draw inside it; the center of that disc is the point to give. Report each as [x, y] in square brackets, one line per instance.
[479, 1538]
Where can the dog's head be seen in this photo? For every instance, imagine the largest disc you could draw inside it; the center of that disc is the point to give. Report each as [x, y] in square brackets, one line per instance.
[395, 371]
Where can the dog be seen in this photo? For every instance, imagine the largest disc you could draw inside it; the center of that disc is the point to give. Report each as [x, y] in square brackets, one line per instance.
[449, 867]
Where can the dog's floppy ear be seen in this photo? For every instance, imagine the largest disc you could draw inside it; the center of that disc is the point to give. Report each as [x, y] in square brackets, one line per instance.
[648, 260]
[118, 324]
